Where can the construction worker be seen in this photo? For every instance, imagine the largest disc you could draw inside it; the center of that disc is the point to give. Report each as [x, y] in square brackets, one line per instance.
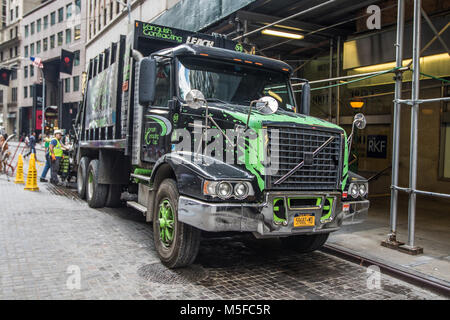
[48, 161]
[56, 153]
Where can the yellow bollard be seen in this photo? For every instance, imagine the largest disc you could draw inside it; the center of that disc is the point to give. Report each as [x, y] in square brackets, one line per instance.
[32, 175]
[19, 173]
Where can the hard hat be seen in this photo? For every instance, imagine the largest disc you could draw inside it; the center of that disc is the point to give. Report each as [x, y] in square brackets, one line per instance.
[58, 131]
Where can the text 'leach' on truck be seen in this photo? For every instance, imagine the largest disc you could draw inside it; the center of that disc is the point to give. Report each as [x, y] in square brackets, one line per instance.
[201, 136]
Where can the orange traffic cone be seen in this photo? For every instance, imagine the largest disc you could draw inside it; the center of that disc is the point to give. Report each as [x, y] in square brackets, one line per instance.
[32, 175]
[19, 173]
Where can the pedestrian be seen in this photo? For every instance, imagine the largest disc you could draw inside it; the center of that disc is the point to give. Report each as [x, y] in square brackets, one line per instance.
[48, 162]
[31, 145]
[56, 153]
[4, 153]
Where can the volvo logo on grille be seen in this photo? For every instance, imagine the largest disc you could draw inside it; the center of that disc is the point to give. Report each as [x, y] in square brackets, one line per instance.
[308, 158]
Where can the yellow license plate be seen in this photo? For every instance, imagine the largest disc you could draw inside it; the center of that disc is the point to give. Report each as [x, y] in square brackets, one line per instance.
[304, 221]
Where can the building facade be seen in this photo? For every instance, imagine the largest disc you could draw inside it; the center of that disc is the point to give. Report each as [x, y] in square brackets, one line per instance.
[107, 20]
[10, 58]
[47, 30]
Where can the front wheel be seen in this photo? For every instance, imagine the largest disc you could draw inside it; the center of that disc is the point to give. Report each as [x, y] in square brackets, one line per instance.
[305, 243]
[177, 243]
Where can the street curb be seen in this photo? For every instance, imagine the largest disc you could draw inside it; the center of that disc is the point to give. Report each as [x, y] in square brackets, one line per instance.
[397, 271]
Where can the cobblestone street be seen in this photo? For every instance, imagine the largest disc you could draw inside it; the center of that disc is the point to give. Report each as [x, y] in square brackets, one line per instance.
[46, 234]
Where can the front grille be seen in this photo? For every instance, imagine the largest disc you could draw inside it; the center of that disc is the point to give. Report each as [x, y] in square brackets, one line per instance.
[325, 172]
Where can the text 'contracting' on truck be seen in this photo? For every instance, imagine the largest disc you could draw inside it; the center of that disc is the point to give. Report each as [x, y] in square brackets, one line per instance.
[200, 135]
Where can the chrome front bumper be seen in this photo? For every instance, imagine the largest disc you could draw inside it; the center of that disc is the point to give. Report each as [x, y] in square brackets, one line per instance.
[258, 218]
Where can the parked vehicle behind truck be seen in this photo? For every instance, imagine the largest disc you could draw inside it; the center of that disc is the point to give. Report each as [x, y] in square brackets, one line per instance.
[209, 138]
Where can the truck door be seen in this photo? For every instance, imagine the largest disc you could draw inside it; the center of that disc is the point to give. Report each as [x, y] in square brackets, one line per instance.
[157, 127]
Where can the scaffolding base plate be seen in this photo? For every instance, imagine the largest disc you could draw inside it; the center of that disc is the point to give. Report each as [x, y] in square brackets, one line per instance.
[392, 244]
[410, 250]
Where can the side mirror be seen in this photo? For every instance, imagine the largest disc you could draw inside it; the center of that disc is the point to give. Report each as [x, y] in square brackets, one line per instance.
[195, 99]
[305, 107]
[147, 81]
[267, 105]
[360, 121]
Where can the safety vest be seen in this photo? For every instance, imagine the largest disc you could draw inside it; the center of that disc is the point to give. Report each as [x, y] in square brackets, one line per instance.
[57, 150]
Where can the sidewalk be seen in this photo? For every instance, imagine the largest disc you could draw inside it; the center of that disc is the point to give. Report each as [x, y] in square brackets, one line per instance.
[432, 234]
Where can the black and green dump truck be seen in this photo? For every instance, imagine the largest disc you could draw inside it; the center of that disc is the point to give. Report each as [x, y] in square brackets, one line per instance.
[202, 136]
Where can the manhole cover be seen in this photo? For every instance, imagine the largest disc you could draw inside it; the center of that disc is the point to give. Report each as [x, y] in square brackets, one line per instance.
[160, 274]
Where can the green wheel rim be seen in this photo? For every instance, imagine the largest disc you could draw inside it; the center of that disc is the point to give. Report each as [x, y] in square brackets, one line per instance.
[166, 222]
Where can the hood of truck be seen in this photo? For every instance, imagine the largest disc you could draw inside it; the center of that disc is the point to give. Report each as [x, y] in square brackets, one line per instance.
[238, 114]
[235, 115]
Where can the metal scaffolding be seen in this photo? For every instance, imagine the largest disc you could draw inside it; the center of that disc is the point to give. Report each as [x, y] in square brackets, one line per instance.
[415, 102]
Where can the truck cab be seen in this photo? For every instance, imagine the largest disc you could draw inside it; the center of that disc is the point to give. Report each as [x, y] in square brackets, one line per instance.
[215, 140]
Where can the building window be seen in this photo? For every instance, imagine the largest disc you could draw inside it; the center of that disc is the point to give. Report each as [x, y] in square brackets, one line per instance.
[14, 95]
[45, 44]
[60, 38]
[31, 91]
[16, 51]
[76, 84]
[76, 58]
[27, 31]
[25, 72]
[60, 14]
[68, 10]
[52, 42]
[68, 36]
[45, 22]
[32, 49]
[77, 35]
[13, 74]
[52, 18]
[31, 71]
[25, 92]
[32, 28]
[26, 51]
[67, 85]
[78, 6]
[38, 25]
[38, 47]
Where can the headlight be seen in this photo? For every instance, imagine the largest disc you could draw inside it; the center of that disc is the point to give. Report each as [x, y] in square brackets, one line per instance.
[241, 190]
[227, 189]
[362, 190]
[224, 190]
[354, 190]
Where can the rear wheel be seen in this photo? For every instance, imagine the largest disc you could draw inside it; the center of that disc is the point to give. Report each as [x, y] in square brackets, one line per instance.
[96, 193]
[305, 243]
[177, 243]
[82, 177]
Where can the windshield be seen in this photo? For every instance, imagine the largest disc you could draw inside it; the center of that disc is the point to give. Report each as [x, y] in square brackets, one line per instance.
[232, 83]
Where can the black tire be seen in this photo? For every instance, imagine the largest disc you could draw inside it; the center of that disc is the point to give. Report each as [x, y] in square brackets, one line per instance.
[305, 243]
[113, 197]
[183, 249]
[96, 193]
[82, 177]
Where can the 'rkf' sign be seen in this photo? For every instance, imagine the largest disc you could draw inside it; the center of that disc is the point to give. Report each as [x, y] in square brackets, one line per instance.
[377, 147]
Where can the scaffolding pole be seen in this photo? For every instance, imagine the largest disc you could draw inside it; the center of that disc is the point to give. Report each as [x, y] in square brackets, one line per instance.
[410, 247]
[391, 240]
